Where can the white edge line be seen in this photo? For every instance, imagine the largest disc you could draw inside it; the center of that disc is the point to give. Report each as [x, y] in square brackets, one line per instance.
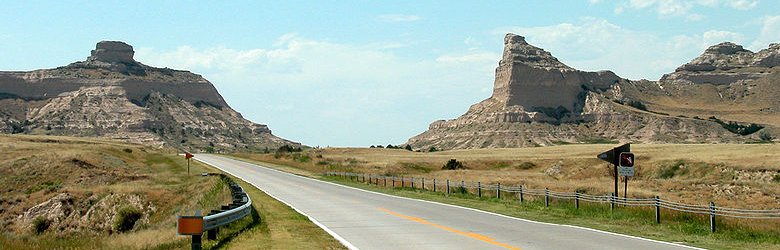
[331, 232]
[473, 209]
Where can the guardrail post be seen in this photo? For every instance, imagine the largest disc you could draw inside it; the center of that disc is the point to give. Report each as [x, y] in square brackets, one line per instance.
[434, 185]
[385, 180]
[393, 180]
[521, 194]
[576, 200]
[212, 234]
[498, 190]
[657, 210]
[402, 181]
[463, 187]
[412, 182]
[612, 201]
[712, 217]
[479, 189]
[546, 197]
[448, 186]
[423, 183]
[197, 242]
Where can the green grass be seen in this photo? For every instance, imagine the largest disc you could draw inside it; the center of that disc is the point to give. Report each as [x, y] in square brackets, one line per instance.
[686, 228]
[273, 225]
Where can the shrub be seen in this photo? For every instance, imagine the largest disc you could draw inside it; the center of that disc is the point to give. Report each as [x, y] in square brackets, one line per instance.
[432, 149]
[765, 136]
[40, 224]
[408, 147]
[289, 149]
[126, 218]
[127, 150]
[453, 164]
[737, 128]
[526, 165]
[776, 178]
[637, 104]
[667, 172]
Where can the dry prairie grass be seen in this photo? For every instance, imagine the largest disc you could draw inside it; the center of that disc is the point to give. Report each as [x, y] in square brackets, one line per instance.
[90, 167]
[740, 175]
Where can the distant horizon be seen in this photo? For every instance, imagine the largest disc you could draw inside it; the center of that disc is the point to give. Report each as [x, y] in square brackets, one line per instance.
[333, 74]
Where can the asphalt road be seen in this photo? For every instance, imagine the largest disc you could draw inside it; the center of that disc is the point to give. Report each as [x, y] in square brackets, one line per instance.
[367, 220]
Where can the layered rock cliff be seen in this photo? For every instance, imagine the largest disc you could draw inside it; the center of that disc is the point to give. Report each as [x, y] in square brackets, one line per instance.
[112, 95]
[537, 101]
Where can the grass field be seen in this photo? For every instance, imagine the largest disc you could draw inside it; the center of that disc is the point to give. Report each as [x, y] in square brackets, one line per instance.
[102, 176]
[740, 175]
[743, 176]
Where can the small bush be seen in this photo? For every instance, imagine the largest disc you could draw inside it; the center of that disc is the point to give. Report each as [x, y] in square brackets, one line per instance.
[765, 136]
[40, 224]
[408, 147]
[126, 218]
[776, 178]
[432, 149]
[667, 172]
[289, 149]
[302, 158]
[461, 190]
[453, 164]
[127, 150]
[526, 165]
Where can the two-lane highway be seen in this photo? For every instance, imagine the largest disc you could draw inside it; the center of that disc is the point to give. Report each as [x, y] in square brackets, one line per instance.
[368, 220]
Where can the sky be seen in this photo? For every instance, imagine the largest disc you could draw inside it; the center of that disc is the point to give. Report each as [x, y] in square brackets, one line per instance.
[359, 73]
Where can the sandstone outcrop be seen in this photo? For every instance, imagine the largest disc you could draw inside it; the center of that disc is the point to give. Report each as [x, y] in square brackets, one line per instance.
[725, 63]
[112, 95]
[538, 101]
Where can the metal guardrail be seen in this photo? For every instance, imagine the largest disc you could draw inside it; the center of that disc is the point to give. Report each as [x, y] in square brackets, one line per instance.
[521, 192]
[241, 206]
[196, 225]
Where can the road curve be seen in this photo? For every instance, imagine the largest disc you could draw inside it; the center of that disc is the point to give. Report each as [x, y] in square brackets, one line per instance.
[368, 220]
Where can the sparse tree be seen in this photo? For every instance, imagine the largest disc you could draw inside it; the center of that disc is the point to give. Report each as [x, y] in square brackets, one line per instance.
[408, 147]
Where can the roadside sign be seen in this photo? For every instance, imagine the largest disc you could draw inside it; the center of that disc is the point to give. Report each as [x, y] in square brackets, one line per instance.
[189, 225]
[626, 159]
[188, 155]
[626, 164]
[626, 171]
[612, 156]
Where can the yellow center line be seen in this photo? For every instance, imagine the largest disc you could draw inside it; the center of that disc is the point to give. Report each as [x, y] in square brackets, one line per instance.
[467, 234]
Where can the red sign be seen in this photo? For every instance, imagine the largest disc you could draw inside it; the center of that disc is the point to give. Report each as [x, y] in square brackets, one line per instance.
[189, 225]
[626, 159]
[188, 155]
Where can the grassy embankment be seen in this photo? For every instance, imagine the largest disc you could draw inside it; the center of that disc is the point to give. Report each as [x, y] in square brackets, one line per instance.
[102, 177]
[732, 175]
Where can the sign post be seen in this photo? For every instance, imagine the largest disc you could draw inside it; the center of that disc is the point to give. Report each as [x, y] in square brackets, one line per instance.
[612, 156]
[626, 169]
[193, 226]
[188, 156]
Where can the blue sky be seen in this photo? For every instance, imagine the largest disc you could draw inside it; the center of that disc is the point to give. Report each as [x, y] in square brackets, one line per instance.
[357, 73]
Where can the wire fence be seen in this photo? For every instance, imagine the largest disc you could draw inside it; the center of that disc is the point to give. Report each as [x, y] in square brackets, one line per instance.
[521, 192]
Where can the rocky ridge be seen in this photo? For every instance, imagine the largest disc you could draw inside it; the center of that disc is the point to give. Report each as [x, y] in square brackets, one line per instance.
[539, 101]
[112, 95]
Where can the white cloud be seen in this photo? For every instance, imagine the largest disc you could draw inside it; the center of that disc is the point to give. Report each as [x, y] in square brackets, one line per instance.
[310, 90]
[742, 4]
[398, 18]
[596, 44]
[478, 57]
[683, 8]
[770, 33]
